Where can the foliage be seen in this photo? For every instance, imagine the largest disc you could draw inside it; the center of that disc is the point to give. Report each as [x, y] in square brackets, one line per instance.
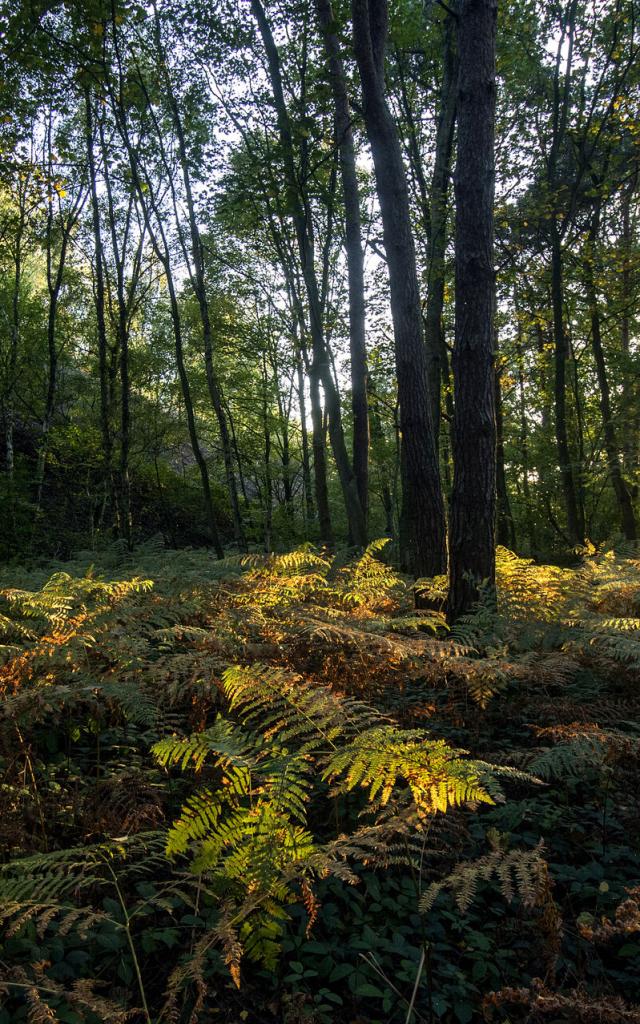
[197, 794]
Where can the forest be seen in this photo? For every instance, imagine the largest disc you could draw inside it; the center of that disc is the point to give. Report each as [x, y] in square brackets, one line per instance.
[319, 499]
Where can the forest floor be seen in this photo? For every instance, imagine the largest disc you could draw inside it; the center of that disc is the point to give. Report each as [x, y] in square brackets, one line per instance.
[267, 789]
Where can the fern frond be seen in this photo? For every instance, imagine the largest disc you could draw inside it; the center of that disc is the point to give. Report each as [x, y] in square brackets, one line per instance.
[384, 756]
[521, 872]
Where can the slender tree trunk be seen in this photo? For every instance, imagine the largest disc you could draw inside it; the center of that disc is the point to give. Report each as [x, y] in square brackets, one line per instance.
[575, 522]
[191, 420]
[55, 277]
[321, 366]
[423, 532]
[14, 345]
[238, 457]
[284, 411]
[377, 436]
[268, 482]
[473, 502]
[560, 113]
[319, 458]
[505, 528]
[524, 437]
[105, 397]
[434, 330]
[630, 389]
[148, 205]
[621, 491]
[199, 287]
[286, 473]
[355, 259]
[124, 518]
[309, 511]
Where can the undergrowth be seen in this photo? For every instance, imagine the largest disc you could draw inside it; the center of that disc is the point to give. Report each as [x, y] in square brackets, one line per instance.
[267, 789]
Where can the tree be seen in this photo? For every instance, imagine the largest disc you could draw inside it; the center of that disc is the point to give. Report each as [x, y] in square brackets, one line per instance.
[473, 500]
[423, 533]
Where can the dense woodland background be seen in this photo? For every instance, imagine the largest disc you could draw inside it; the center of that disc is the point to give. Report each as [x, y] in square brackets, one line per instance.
[162, 368]
[302, 302]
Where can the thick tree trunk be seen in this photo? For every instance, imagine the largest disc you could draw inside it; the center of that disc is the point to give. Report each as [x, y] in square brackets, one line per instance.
[423, 532]
[321, 367]
[473, 502]
[355, 259]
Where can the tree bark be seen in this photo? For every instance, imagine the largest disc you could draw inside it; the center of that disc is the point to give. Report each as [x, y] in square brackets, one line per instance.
[473, 502]
[423, 531]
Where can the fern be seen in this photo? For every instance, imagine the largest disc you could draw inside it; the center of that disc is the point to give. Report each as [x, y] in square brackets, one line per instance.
[518, 872]
[382, 757]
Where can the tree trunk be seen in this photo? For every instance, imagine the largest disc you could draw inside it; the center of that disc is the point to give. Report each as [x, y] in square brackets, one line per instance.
[423, 532]
[148, 205]
[473, 501]
[199, 286]
[268, 483]
[319, 458]
[630, 390]
[308, 509]
[505, 528]
[54, 284]
[103, 361]
[123, 511]
[524, 438]
[304, 236]
[434, 332]
[621, 491]
[355, 259]
[14, 345]
[575, 522]
[377, 436]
